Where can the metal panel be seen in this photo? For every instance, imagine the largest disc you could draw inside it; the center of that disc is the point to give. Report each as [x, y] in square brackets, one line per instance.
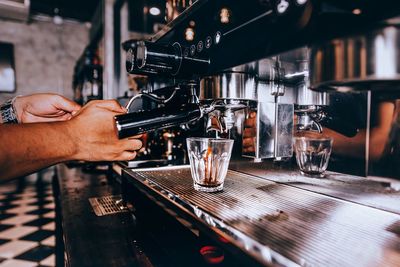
[107, 205]
[274, 128]
[284, 131]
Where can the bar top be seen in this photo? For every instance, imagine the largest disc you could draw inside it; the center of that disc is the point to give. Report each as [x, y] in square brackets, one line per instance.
[281, 223]
[90, 240]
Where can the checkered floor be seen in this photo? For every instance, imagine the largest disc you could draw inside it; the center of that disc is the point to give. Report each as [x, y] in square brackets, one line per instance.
[26, 224]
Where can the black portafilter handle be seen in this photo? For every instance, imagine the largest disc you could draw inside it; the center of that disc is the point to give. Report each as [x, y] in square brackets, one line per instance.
[135, 123]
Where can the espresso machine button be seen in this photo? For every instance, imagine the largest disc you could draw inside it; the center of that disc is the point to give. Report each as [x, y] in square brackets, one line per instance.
[208, 42]
[217, 37]
[200, 46]
[192, 50]
[282, 6]
[186, 52]
[301, 2]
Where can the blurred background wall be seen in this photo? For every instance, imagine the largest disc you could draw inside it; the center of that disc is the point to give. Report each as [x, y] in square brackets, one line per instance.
[44, 54]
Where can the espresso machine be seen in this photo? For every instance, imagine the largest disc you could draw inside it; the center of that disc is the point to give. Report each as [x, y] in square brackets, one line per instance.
[269, 69]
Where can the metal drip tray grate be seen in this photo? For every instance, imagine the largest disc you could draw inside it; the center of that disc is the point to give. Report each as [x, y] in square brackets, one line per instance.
[107, 205]
[279, 223]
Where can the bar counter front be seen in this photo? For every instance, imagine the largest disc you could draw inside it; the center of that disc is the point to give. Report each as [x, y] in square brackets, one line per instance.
[265, 216]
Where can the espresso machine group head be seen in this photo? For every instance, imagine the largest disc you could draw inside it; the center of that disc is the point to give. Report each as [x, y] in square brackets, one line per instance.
[182, 106]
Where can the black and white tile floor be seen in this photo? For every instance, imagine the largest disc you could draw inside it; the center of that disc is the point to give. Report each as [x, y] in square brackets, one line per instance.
[27, 224]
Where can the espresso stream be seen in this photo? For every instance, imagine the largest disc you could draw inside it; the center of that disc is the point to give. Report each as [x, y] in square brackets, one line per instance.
[209, 180]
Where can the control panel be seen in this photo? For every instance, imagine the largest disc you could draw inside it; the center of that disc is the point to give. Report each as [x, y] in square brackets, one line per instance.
[231, 32]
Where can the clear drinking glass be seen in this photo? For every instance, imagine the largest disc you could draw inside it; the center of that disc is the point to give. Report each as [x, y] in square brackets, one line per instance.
[209, 160]
[312, 154]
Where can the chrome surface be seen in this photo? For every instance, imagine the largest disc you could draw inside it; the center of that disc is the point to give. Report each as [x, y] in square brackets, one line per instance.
[304, 95]
[376, 192]
[273, 131]
[308, 102]
[107, 205]
[306, 123]
[272, 127]
[224, 114]
[368, 61]
[280, 224]
[145, 163]
[229, 85]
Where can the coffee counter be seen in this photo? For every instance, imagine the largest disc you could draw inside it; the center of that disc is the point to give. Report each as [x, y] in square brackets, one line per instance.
[278, 217]
[271, 217]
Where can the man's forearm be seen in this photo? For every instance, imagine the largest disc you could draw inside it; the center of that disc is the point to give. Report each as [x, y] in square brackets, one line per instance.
[29, 147]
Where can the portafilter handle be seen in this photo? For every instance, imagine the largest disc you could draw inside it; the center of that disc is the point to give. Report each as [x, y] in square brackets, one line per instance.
[135, 123]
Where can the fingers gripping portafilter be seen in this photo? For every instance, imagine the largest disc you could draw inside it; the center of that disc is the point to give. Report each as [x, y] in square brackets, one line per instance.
[181, 106]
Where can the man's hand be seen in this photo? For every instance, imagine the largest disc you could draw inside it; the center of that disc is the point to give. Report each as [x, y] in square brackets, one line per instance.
[94, 133]
[44, 108]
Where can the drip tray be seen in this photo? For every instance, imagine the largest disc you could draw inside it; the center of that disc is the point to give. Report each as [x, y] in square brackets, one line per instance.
[277, 223]
[108, 205]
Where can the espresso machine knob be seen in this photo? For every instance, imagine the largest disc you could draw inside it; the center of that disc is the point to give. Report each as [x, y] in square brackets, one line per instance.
[130, 60]
[162, 59]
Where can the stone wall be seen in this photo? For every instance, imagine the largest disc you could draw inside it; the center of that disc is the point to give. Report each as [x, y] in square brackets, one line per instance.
[44, 55]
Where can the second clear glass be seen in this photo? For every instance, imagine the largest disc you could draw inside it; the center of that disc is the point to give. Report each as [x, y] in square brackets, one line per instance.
[312, 155]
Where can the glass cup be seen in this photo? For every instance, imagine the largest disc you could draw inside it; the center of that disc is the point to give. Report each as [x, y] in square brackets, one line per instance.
[209, 160]
[312, 155]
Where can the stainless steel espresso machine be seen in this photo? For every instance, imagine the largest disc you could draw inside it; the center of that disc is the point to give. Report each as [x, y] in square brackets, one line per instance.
[265, 70]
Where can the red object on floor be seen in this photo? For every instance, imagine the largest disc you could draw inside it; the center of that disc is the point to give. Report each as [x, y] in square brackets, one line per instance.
[212, 254]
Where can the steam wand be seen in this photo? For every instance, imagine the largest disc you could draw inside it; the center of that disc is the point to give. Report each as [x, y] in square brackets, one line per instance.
[154, 97]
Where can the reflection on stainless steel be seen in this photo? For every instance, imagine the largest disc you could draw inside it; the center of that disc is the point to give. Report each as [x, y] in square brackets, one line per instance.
[225, 114]
[230, 93]
[281, 82]
[308, 103]
[305, 96]
[279, 224]
[306, 123]
[380, 193]
[271, 130]
[229, 85]
[362, 62]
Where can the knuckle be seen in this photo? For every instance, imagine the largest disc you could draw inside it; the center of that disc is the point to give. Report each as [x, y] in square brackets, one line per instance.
[139, 143]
